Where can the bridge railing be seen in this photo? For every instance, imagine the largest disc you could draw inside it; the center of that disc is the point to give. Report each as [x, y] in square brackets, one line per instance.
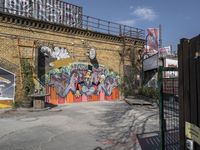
[108, 27]
[68, 14]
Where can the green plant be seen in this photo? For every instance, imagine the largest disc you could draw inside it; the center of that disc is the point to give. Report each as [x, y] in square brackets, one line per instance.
[126, 87]
[28, 83]
[16, 104]
[149, 92]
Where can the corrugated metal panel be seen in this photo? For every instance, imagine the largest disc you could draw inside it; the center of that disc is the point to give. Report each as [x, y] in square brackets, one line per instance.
[1, 5]
[47, 10]
[65, 13]
[68, 10]
[62, 12]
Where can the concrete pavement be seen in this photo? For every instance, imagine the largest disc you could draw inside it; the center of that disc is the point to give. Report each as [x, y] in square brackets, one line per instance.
[81, 126]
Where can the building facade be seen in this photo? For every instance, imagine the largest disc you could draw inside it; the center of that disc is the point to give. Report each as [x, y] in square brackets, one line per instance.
[68, 64]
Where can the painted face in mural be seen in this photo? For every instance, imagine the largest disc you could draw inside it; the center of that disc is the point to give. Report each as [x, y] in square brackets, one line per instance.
[74, 78]
[87, 86]
[88, 78]
[102, 78]
[77, 94]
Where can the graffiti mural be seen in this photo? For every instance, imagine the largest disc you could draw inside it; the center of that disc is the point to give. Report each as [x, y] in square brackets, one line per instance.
[7, 88]
[81, 82]
[50, 57]
[56, 52]
[66, 81]
[53, 11]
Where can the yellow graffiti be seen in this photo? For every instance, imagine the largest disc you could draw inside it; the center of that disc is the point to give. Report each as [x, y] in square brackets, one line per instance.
[4, 106]
[36, 83]
[61, 62]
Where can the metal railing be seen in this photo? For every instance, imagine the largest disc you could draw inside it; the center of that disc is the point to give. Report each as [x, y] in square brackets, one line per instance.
[72, 16]
[103, 26]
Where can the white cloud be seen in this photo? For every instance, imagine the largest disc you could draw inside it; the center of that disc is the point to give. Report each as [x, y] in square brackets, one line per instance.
[140, 14]
[131, 7]
[130, 22]
[144, 13]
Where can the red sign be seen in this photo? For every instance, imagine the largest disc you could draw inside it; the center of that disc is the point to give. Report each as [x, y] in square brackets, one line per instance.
[152, 39]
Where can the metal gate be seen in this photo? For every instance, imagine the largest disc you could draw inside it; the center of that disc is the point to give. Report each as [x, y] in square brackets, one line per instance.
[169, 108]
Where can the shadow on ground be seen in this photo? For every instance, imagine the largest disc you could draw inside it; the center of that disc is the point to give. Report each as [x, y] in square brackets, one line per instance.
[50, 105]
[151, 140]
[120, 124]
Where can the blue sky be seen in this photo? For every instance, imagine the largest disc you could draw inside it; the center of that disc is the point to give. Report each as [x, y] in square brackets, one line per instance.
[179, 18]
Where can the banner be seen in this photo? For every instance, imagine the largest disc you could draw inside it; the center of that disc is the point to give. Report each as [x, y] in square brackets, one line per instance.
[164, 51]
[152, 39]
[152, 62]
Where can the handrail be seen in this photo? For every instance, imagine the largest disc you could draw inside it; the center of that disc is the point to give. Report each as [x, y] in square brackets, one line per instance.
[109, 27]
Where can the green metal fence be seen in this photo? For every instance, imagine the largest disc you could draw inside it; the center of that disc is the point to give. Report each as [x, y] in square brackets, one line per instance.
[169, 108]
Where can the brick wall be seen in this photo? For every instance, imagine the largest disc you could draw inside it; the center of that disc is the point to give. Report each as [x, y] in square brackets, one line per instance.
[20, 40]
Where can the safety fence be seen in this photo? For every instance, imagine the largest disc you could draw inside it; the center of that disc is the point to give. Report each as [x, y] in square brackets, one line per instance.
[169, 108]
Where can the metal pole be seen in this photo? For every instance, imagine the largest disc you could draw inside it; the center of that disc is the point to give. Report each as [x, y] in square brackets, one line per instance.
[160, 44]
[161, 108]
[171, 49]
[14, 88]
[160, 36]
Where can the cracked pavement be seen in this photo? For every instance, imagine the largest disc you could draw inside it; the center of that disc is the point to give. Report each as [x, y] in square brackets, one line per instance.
[80, 126]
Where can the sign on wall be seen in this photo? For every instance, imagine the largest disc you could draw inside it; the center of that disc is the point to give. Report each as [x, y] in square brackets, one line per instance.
[7, 85]
[171, 62]
[192, 132]
[92, 53]
[165, 51]
[151, 63]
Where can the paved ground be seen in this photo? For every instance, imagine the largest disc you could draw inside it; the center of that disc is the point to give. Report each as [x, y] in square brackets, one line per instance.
[81, 126]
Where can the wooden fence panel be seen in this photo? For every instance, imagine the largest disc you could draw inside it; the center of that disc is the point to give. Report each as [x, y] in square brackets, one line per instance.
[189, 86]
[193, 83]
[180, 93]
[198, 83]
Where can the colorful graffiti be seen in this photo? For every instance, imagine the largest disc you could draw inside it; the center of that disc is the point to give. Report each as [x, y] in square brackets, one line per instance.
[53, 11]
[56, 52]
[65, 81]
[50, 57]
[81, 82]
[7, 88]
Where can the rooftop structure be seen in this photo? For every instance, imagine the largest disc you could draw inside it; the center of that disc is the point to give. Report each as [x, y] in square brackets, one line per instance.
[60, 12]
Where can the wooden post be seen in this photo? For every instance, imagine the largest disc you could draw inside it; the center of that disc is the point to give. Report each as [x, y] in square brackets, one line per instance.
[181, 100]
[20, 66]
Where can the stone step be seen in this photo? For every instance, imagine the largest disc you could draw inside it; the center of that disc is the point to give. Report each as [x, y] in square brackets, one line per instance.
[129, 97]
[137, 102]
